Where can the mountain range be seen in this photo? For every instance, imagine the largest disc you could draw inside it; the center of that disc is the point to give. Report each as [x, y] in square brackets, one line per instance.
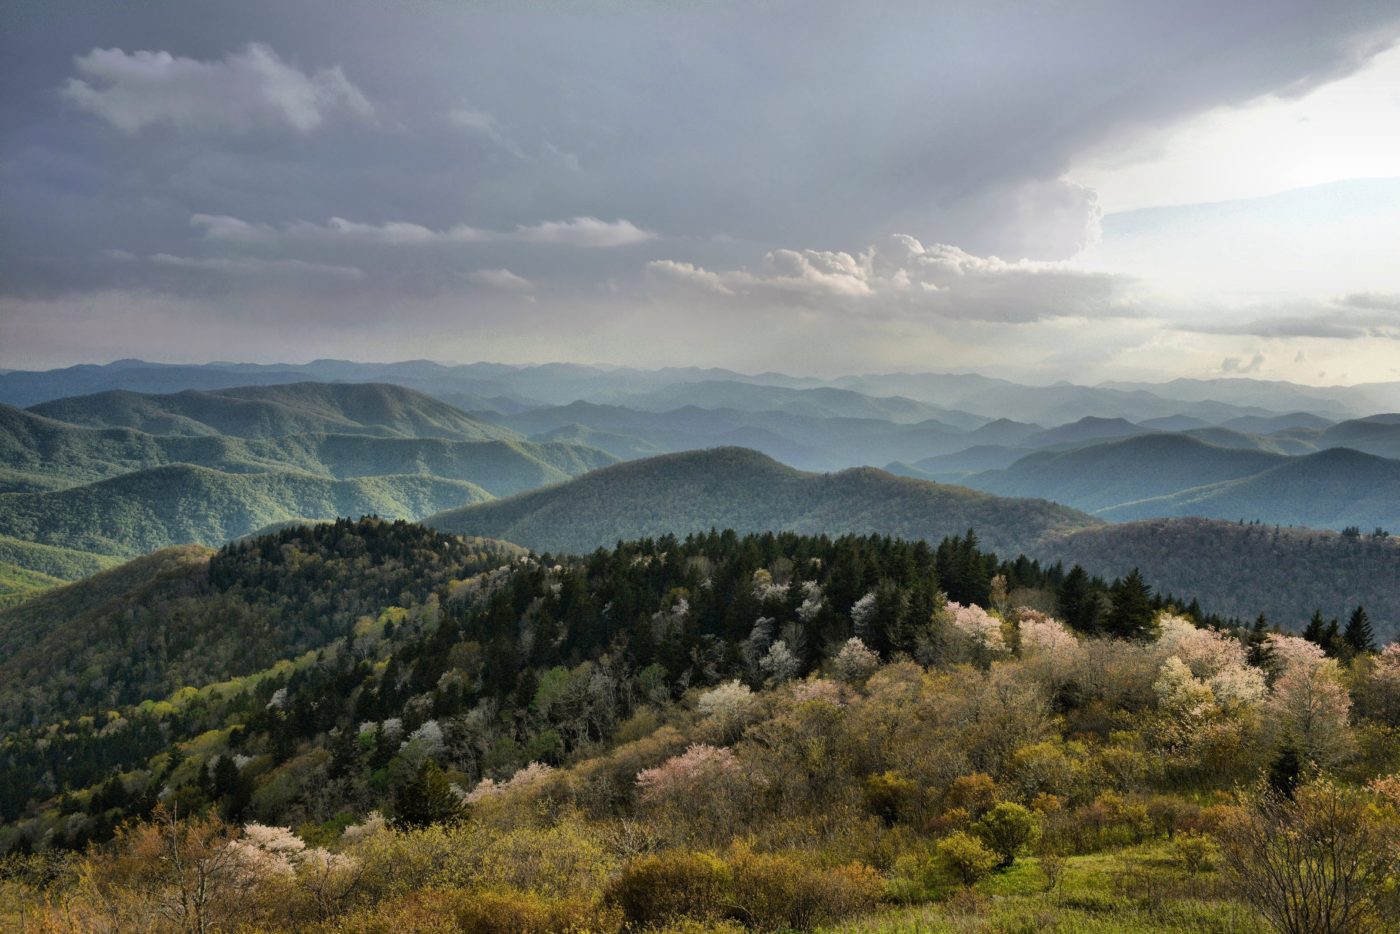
[86, 480]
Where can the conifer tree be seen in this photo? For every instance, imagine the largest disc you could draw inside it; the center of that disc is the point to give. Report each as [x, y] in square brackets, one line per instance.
[1130, 616]
[426, 799]
[1316, 629]
[1077, 603]
[1359, 636]
[1258, 642]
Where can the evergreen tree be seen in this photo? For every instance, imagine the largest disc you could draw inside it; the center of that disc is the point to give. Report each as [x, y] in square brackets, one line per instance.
[426, 799]
[1285, 770]
[1359, 636]
[1332, 642]
[1316, 629]
[1258, 642]
[1130, 615]
[1077, 603]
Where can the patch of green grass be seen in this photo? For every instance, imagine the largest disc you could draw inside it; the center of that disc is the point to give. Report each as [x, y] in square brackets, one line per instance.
[1140, 890]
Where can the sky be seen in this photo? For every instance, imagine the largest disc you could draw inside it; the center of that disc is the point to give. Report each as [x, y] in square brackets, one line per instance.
[1042, 191]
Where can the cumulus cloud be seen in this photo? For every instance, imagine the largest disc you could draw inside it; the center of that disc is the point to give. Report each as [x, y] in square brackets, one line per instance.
[579, 232]
[502, 279]
[582, 231]
[243, 91]
[244, 266]
[902, 273]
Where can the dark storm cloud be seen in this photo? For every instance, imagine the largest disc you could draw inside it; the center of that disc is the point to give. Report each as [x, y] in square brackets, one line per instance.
[235, 138]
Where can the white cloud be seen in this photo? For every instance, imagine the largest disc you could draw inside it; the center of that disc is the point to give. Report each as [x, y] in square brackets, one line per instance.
[502, 279]
[902, 274]
[256, 267]
[481, 123]
[580, 232]
[583, 231]
[243, 91]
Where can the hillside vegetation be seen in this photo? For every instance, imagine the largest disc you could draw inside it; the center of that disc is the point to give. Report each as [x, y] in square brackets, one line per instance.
[1243, 568]
[125, 473]
[274, 411]
[723, 733]
[746, 491]
[150, 509]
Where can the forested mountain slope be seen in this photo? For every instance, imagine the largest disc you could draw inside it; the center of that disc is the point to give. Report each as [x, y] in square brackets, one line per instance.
[149, 509]
[746, 491]
[1333, 489]
[1241, 568]
[272, 411]
[1102, 476]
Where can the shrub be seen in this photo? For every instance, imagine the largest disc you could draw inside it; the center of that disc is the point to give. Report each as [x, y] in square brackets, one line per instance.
[1196, 851]
[468, 912]
[1319, 861]
[975, 793]
[890, 795]
[670, 887]
[773, 892]
[965, 857]
[1008, 829]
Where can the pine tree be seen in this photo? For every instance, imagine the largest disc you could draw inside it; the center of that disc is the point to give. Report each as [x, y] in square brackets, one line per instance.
[1359, 636]
[1258, 642]
[1316, 629]
[1076, 602]
[426, 799]
[1332, 642]
[1130, 615]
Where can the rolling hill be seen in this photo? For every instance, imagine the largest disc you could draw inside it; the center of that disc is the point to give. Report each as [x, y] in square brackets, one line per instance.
[746, 491]
[150, 509]
[1331, 489]
[40, 453]
[274, 411]
[1102, 476]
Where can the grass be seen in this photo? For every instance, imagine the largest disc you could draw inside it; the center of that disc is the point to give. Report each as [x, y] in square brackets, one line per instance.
[1133, 891]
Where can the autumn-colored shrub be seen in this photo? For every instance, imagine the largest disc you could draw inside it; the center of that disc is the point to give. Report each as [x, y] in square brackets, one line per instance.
[762, 890]
[479, 912]
[772, 892]
[672, 886]
[975, 793]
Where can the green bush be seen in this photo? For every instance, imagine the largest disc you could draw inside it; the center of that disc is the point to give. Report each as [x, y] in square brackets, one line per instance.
[965, 857]
[1197, 852]
[1007, 830]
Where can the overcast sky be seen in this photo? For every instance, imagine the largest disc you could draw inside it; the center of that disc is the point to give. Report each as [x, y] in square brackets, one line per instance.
[1080, 190]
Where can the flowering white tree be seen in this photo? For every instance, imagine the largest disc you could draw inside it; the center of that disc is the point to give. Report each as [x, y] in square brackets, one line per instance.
[978, 625]
[1310, 707]
[812, 601]
[780, 664]
[854, 661]
[862, 612]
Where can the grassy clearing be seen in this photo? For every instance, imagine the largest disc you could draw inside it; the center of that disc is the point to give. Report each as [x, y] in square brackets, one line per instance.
[1142, 889]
